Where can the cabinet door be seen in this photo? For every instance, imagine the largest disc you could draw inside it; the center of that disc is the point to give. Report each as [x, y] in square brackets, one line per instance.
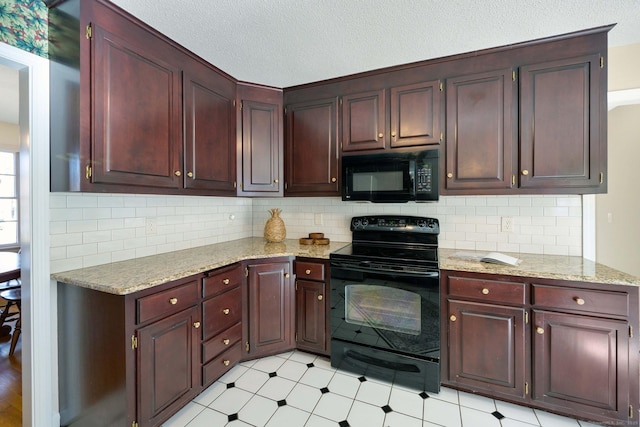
[310, 316]
[481, 126]
[312, 149]
[136, 108]
[261, 141]
[210, 151]
[363, 121]
[487, 348]
[560, 119]
[416, 112]
[270, 300]
[581, 363]
[168, 366]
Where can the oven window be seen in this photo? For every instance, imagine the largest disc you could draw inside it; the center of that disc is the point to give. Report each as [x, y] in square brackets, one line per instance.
[382, 307]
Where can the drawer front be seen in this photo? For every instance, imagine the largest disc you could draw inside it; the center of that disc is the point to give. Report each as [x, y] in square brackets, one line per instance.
[221, 342]
[221, 312]
[221, 280]
[586, 300]
[487, 290]
[221, 364]
[167, 302]
[310, 270]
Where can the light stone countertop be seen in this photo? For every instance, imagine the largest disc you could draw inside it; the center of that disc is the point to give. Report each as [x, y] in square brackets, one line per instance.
[542, 266]
[125, 277]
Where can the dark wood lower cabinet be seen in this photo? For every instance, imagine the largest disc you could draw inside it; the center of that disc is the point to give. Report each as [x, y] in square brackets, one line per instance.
[487, 347]
[310, 316]
[562, 346]
[269, 314]
[582, 363]
[168, 366]
[128, 359]
[312, 305]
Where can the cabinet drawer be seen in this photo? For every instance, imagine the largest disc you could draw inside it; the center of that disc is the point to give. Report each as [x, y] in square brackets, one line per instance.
[586, 300]
[487, 290]
[221, 280]
[221, 364]
[221, 312]
[221, 342]
[167, 302]
[310, 270]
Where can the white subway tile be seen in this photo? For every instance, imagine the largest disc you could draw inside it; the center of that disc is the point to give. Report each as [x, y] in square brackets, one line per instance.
[82, 250]
[96, 213]
[98, 259]
[109, 201]
[466, 222]
[96, 236]
[82, 201]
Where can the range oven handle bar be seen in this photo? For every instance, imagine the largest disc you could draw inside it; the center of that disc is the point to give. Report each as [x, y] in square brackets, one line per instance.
[364, 269]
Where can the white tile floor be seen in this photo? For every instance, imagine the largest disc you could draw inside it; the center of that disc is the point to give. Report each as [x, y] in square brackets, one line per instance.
[298, 389]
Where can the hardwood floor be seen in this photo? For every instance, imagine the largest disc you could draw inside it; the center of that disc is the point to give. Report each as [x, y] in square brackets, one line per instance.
[10, 382]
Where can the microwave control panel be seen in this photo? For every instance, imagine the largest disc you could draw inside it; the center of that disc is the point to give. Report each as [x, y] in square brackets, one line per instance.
[424, 180]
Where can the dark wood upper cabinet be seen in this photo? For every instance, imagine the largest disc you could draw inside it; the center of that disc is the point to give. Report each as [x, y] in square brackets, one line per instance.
[395, 117]
[560, 118]
[363, 121]
[260, 141]
[132, 111]
[481, 131]
[416, 114]
[135, 120]
[209, 115]
[311, 154]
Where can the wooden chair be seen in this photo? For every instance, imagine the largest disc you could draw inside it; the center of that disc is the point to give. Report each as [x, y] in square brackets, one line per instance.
[13, 297]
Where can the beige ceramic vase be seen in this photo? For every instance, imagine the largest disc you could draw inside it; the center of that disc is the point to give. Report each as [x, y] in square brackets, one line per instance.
[274, 230]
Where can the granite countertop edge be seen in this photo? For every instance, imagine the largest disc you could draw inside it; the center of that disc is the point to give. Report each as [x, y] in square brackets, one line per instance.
[126, 277]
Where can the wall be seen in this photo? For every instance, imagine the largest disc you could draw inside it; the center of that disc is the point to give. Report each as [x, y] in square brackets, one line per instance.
[624, 67]
[9, 137]
[618, 211]
[542, 224]
[90, 229]
[23, 24]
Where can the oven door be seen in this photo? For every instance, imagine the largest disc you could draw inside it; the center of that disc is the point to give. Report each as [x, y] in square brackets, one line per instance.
[386, 323]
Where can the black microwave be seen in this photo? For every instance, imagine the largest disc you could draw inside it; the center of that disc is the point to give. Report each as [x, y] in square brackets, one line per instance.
[391, 177]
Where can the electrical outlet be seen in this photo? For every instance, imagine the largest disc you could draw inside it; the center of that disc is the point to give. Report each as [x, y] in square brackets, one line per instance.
[151, 225]
[317, 219]
[507, 224]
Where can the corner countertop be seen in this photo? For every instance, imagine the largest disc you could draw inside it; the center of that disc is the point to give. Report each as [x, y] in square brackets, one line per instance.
[125, 277]
[558, 267]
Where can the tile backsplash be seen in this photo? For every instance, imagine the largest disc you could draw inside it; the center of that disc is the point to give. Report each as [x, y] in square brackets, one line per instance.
[89, 229]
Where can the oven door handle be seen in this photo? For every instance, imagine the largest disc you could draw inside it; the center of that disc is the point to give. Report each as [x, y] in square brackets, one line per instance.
[356, 267]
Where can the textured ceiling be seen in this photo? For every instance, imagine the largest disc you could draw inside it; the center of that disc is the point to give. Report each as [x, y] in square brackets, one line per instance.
[288, 42]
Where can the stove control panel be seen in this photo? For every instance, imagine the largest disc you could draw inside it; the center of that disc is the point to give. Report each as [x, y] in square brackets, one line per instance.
[414, 224]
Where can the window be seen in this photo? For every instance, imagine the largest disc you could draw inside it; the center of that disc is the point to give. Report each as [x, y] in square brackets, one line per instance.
[8, 200]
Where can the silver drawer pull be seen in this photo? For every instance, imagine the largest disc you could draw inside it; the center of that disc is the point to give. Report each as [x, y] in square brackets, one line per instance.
[225, 341]
[485, 291]
[226, 311]
[226, 281]
[173, 301]
[579, 301]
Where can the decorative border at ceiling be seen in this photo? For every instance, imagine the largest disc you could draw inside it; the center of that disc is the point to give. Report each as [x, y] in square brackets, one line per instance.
[23, 24]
